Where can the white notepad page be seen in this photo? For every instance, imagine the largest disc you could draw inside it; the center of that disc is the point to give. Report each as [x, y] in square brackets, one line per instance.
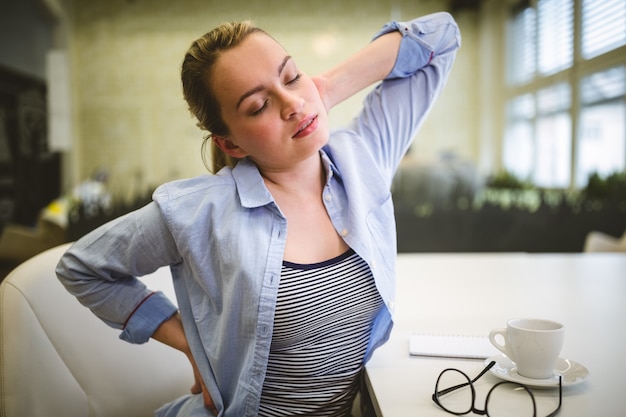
[451, 346]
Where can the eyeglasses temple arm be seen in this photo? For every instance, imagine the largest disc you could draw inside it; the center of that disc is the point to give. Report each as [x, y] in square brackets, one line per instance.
[555, 412]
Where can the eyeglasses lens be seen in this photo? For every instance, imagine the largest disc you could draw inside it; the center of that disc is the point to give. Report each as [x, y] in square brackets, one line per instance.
[510, 400]
[459, 400]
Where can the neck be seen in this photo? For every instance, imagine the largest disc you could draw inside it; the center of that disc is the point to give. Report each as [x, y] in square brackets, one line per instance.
[304, 178]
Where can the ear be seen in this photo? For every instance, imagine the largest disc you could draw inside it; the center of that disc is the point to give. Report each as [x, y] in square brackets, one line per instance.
[228, 147]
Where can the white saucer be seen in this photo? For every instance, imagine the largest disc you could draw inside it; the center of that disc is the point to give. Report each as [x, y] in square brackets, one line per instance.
[572, 373]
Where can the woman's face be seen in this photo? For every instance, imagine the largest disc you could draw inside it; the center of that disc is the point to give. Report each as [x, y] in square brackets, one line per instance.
[273, 111]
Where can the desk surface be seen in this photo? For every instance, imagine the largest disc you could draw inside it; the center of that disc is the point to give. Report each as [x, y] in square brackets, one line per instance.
[473, 293]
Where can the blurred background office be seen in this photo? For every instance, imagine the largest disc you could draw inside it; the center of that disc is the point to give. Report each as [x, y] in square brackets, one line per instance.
[524, 151]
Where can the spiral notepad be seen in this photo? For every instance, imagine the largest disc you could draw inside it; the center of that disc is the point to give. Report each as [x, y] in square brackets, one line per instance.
[451, 346]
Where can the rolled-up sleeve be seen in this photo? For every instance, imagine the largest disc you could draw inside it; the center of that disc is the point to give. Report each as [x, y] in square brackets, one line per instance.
[147, 317]
[101, 271]
[424, 39]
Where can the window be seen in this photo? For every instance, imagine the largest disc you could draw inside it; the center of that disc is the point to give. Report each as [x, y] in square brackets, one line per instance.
[603, 26]
[555, 31]
[566, 90]
[601, 144]
[521, 47]
[553, 134]
[518, 145]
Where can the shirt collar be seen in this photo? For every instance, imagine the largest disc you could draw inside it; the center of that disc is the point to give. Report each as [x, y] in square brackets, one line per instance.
[251, 187]
[329, 166]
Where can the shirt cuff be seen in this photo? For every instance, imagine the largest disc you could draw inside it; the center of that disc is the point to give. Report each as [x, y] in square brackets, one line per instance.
[144, 321]
[414, 52]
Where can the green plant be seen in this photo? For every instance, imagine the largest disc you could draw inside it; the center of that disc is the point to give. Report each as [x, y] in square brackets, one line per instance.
[612, 187]
[506, 179]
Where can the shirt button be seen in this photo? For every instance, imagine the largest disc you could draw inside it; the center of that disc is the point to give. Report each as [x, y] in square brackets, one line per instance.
[328, 197]
[344, 232]
[373, 264]
[391, 305]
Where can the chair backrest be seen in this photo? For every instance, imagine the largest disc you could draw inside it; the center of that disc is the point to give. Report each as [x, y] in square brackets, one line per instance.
[58, 359]
[602, 242]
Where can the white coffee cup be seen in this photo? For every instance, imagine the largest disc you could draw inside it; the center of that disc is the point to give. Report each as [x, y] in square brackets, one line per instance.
[532, 344]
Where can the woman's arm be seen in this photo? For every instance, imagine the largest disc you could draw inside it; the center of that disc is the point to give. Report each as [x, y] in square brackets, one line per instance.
[171, 333]
[101, 271]
[393, 112]
[369, 65]
[436, 33]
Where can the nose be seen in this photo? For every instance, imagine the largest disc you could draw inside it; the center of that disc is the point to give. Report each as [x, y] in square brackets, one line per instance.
[292, 104]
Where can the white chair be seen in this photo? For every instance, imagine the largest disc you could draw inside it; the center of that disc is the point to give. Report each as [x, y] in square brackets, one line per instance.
[58, 359]
[602, 242]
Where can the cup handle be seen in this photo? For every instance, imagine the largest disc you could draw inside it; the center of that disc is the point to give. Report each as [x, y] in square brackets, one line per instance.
[501, 347]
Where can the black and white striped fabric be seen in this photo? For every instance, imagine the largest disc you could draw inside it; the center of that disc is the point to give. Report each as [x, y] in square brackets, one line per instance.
[322, 327]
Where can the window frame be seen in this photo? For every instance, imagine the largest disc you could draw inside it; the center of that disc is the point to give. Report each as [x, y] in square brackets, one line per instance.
[581, 67]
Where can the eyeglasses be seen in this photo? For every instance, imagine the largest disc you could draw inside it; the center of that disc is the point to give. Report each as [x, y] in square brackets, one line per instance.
[451, 380]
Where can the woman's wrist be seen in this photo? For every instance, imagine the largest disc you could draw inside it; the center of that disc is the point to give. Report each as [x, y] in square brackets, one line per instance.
[171, 333]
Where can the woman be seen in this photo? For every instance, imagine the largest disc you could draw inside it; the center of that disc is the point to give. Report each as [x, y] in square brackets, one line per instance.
[283, 261]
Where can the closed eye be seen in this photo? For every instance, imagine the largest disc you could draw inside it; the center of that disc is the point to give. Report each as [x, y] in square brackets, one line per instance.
[294, 80]
[260, 109]
[289, 82]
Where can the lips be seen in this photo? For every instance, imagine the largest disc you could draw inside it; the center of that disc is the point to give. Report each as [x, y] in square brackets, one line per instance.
[306, 126]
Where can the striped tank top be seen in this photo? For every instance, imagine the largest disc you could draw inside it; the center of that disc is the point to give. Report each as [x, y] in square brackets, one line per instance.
[322, 327]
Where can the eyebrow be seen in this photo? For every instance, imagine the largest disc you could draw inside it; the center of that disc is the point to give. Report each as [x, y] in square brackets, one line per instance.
[260, 87]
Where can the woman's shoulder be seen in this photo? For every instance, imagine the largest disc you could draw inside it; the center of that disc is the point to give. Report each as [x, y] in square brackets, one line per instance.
[190, 188]
[349, 141]
[194, 198]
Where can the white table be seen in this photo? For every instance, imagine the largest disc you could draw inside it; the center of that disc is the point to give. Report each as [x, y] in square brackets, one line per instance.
[473, 293]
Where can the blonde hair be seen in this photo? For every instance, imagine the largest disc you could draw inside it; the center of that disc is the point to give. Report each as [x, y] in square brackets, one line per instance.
[196, 74]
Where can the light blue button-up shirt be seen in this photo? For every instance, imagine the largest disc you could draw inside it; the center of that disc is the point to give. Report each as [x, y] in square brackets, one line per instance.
[223, 235]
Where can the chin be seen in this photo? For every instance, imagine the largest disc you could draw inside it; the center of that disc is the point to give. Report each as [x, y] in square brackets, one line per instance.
[322, 128]
[322, 136]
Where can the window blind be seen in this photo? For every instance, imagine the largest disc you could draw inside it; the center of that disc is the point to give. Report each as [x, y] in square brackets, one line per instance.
[603, 26]
[521, 49]
[555, 35]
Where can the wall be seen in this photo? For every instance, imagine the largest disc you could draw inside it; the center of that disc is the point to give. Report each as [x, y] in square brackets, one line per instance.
[130, 117]
[26, 34]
